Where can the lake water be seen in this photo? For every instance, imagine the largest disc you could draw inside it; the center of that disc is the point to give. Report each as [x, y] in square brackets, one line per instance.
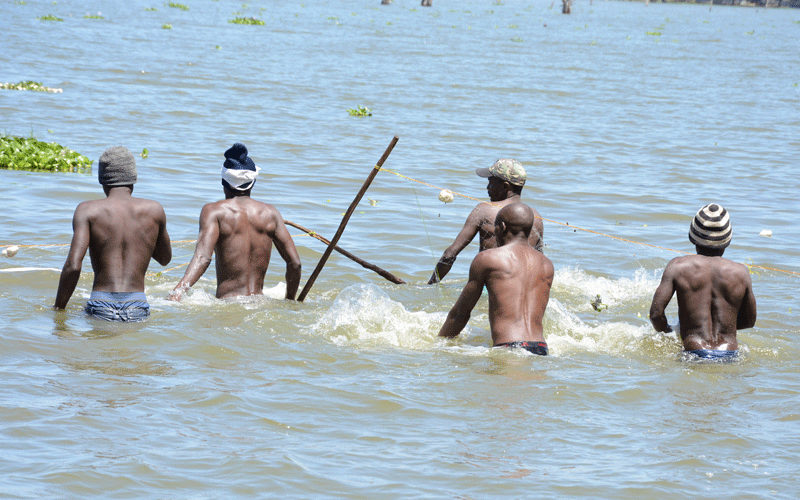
[628, 118]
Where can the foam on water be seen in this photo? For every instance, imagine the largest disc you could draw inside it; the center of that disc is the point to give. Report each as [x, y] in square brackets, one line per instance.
[365, 315]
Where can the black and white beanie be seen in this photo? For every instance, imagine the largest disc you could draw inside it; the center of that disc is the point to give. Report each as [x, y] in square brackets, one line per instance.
[711, 227]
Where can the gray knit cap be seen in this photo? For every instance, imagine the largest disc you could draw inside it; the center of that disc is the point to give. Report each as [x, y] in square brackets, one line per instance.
[117, 167]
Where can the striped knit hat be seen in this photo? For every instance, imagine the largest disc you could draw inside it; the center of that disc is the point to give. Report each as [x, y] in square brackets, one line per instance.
[711, 227]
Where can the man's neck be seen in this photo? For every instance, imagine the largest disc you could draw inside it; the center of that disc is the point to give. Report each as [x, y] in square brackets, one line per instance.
[709, 252]
[117, 191]
[232, 193]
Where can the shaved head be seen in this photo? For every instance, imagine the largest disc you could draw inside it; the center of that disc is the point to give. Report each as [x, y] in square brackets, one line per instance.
[516, 218]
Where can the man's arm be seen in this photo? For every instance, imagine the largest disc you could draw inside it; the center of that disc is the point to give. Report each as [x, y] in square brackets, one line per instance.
[71, 272]
[661, 298]
[458, 316]
[538, 228]
[285, 246]
[746, 318]
[206, 242]
[162, 252]
[468, 232]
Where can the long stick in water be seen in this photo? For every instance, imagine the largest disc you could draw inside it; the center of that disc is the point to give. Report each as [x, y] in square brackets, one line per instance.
[372, 267]
[345, 219]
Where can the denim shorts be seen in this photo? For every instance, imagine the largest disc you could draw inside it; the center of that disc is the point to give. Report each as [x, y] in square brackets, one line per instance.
[118, 306]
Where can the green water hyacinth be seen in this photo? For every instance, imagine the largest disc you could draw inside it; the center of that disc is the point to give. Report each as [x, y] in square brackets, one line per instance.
[26, 153]
[178, 6]
[49, 17]
[360, 111]
[29, 85]
[247, 20]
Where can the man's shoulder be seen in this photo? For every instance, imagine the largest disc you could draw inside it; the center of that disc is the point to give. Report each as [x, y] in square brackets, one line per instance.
[693, 264]
[245, 200]
[146, 202]
[485, 210]
[494, 257]
[89, 205]
[150, 206]
[232, 206]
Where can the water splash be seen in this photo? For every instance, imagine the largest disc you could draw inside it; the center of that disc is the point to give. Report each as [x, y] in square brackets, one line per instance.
[364, 314]
[572, 325]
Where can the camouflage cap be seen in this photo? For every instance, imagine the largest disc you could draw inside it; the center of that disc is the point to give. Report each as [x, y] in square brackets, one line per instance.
[507, 169]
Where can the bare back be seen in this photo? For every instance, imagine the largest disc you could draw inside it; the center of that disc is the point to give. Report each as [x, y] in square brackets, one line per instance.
[518, 279]
[715, 298]
[481, 222]
[244, 245]
[123, 235]
[484, 215]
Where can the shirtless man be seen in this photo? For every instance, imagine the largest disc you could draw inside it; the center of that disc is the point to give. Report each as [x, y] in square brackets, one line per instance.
[715, 295]
[240, 232]
[121, 233]
[518, 279]
[506, 178]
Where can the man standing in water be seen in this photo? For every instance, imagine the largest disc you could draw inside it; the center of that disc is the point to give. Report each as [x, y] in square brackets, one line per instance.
[715, 295]
[121, 233]
[518, 279]
[506, 179]
[240, 231]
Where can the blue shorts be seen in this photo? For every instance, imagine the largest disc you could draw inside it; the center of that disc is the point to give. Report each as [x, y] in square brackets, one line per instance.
[715, 354]
[538, 348]
[118, 306]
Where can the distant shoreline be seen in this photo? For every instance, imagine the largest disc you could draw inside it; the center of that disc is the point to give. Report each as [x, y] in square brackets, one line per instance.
[743, 3]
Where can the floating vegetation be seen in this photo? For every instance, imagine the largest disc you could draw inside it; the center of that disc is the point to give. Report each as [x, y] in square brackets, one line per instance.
[144, 153]
[20, 153]
[49, 17]
[150, 9]
[597, 304]
[360, 111]
[29, 85]
[89, 16]
[517, 39]
[176, 5]
[247, 20]
[166, 26]
[653, 33]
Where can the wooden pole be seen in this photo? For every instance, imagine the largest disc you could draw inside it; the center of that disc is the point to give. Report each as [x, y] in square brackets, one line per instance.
[372, 267]
[345, 219]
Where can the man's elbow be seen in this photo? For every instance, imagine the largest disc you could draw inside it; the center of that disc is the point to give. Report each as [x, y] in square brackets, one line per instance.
[294, 267]
[162, 254]
[659, 321]
[747, 322]
[449, 256]
[71, 269]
